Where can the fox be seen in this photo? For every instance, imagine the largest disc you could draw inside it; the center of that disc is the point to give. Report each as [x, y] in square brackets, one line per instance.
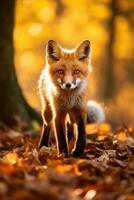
[64, 93]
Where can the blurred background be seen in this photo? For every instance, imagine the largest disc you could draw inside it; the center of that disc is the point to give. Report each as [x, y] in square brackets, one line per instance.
[108, 24]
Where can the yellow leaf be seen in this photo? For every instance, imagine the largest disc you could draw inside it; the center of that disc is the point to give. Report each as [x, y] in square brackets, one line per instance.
[10, 158]
[104, 128]
[122, 136]
[63, 168]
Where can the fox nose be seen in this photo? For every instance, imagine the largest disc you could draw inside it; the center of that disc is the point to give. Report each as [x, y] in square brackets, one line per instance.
[68, 85]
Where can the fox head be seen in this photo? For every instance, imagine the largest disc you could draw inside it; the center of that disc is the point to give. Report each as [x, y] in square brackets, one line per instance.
[68, 69]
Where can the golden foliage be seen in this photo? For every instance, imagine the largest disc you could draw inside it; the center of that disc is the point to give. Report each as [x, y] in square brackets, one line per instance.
[69, 22]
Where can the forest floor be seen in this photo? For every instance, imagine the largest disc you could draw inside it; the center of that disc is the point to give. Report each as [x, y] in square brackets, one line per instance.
[104, 172]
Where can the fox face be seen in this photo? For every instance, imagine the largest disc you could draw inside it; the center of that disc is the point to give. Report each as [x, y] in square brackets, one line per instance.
[68, 69]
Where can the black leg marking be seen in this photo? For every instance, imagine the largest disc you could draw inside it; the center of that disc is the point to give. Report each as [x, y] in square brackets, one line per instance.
[61, 137]
[70, 132]
[44, 141]
[81, 138]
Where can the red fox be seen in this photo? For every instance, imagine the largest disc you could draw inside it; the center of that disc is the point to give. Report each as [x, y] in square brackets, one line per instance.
[63, 87]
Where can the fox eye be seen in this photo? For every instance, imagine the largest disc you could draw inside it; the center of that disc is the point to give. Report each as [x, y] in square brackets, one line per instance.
[76, 71]
[60, 71]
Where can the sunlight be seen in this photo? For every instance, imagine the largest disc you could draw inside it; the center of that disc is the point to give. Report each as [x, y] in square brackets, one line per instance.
[27, 59]
[90, 195]
[35, 29]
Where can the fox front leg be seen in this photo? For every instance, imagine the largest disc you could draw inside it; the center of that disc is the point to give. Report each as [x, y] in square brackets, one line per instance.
[81, 135]
[47, 118]
[60, 133]
[44, 140]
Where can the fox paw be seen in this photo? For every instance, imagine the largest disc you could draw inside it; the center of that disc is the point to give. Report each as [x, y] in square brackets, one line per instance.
[77, 153]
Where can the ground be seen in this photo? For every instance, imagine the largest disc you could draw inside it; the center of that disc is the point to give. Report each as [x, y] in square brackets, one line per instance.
[104, 172]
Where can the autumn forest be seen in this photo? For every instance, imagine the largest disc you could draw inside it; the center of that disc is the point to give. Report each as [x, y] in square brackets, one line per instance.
[86, 159]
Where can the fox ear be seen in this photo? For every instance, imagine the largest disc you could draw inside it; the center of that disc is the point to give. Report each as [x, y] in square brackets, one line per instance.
[53, 51]
[83, 50]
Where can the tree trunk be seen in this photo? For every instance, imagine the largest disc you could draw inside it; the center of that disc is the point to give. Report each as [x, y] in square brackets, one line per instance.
[12, 102]
[60, 8]
[110, 60]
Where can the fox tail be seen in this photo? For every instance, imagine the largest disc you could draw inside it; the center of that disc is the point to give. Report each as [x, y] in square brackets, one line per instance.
[96, 113]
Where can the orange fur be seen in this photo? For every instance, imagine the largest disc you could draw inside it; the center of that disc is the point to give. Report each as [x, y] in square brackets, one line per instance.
[63, 87]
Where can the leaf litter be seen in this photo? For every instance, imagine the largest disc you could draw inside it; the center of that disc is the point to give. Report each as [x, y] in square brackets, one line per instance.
[104, 172]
